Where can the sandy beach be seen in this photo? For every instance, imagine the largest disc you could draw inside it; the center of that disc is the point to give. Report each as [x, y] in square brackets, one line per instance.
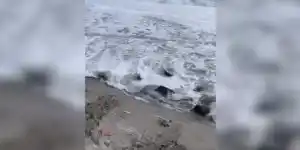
[116, 121]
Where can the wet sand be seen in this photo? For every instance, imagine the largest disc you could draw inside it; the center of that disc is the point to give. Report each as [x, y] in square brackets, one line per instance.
[127, 123]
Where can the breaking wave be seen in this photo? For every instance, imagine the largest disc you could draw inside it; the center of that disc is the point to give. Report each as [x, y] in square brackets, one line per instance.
[153, 50]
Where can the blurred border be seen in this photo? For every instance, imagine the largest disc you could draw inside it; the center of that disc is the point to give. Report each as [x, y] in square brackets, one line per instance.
[258, 70]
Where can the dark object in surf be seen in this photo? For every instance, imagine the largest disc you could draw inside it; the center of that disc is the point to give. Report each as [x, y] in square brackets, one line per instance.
[162, 90]
[207, 100]
[102, 75]
[201, 110]
[137, 77]
[130, 77]
[199, 88]
[185, 103]
[124, 30]
[203, 85]
[167, 72]
[164, 122]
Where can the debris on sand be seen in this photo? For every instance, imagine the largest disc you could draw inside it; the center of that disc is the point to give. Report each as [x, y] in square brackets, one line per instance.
[151, 143]
[120, 123]
[107, 143]
[106, 137]
[170, 134]
[105, 132]
[100, 107]
[94, 111]
[164, 139]
[164, 122]
[124, 114]
[95, 136]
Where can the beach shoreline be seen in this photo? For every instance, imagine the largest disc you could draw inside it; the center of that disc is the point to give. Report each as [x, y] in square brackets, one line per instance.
[127, 115]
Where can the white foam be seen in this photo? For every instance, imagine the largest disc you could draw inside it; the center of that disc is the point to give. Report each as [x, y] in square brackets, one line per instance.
[126, 53]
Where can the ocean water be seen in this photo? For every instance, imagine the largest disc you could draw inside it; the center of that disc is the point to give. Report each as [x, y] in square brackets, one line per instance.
[146, 37]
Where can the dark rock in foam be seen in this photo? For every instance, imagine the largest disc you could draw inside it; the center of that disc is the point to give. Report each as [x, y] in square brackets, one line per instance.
[167, 72]
[199, 88]
[207, 99]
[137, 77]
[105, 75]
[205, 105]
[164, 91]
[201, 110]
[203, 86]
